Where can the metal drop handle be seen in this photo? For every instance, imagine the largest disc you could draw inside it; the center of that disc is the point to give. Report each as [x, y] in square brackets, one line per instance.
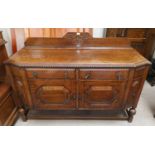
[87, 76]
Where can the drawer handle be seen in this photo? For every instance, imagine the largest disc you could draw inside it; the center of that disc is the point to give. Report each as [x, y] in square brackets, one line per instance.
[35, 74]
[87, 76]
[119, 76]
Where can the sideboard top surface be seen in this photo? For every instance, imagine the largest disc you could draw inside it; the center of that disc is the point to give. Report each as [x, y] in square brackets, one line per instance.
[77, 51]
[108, 57]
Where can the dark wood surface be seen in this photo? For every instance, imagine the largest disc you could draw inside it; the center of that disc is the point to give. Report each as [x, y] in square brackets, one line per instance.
[3, 57]
[142, 39]
[47, 75]
[77, 58]
[76, 43]
[8, 108]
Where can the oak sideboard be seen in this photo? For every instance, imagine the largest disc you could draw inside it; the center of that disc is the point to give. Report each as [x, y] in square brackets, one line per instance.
[77, 78]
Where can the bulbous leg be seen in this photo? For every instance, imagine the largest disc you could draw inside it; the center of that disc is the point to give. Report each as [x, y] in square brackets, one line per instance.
[131, 113]
[23, 114]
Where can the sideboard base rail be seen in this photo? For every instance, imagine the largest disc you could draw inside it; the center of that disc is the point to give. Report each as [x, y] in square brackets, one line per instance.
[79, 115]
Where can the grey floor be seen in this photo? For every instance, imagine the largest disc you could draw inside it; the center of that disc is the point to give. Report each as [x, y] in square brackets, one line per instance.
[144, 116]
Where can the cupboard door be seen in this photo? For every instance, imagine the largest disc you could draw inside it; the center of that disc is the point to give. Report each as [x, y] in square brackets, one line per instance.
[101, 95]
[53, 94]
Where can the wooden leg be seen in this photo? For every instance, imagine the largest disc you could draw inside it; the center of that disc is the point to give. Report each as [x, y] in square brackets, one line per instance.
[23, 114]
[131, 113]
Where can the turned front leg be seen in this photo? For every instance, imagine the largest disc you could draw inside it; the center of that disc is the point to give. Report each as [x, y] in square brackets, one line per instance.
[23, 114]
[131, 113]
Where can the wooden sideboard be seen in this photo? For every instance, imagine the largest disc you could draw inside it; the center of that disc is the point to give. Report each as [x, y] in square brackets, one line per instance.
[8, 108]
[77, 78]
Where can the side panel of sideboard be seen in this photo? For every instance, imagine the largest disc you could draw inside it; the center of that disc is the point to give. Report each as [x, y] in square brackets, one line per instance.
[136, 87]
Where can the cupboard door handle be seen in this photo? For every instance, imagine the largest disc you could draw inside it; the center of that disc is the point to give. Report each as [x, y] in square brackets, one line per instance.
[87, 76]
[35, 74]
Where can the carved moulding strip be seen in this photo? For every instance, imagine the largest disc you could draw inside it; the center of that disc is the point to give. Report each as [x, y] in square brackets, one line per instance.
[44, 65]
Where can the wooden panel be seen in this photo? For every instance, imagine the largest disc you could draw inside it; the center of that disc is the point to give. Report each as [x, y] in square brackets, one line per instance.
[51, 73]
[3, 57]
[101, 95]
[127, 32]
[8, 110]
[136, 90]
[71, 39]
[104, 74]
[136, 32]
[53, 94]
[139, 72]
[142, 39]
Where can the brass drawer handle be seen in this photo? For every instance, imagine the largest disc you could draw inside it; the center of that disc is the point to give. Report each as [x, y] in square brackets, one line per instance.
[35, 75]
[87, 76]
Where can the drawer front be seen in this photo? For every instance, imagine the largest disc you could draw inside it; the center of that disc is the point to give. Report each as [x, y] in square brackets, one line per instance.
[101, 95]
[104, 74]
[51, 73]
[53, 94]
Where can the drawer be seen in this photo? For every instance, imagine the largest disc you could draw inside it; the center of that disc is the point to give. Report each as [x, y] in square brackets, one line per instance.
[139, 72]
[104, 74]
[51, 73]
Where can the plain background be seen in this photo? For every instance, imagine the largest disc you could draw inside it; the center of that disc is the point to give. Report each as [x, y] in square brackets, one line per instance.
[76, 140]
